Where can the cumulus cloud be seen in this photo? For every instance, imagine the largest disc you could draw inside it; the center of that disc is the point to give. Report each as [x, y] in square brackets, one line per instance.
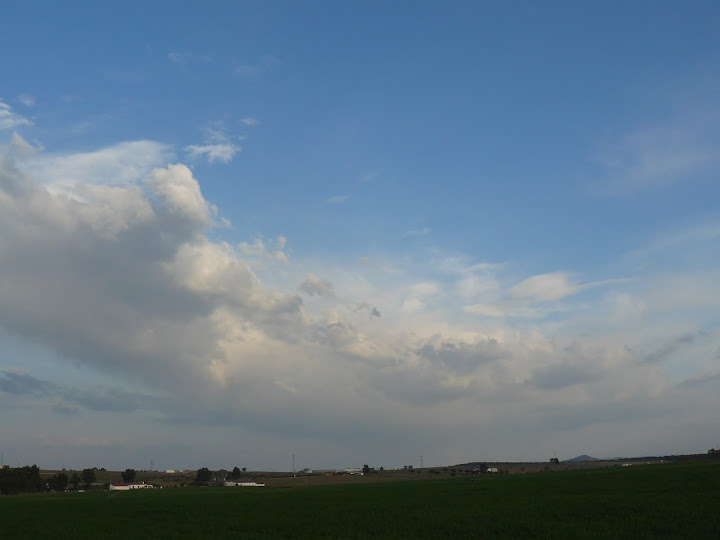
[10, 119]
[272, 251]
[120, 164]
[218, 147]
[337, 199]
[313, 285]
[125, 279]
[180, 193]
[372, 310]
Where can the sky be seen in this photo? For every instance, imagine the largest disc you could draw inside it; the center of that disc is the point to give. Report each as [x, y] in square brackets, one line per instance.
[357, 232]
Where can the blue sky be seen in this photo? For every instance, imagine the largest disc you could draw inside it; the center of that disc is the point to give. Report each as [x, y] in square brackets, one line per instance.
[358, 232]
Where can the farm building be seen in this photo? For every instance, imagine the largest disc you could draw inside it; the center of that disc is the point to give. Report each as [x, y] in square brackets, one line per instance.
[131, 485]
[243, 484]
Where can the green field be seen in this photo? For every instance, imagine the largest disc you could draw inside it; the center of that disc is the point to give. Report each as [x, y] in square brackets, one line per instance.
[644, 501]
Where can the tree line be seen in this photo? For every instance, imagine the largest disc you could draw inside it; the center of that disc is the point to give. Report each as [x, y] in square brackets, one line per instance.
[14, 480]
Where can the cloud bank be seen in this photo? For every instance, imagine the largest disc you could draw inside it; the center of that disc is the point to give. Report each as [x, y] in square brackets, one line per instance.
[125, 279]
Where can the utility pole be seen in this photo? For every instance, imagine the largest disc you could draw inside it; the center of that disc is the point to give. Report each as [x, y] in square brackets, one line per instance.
[421, 462]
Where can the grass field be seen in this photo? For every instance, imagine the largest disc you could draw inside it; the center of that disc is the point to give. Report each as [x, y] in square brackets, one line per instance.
[652, 501]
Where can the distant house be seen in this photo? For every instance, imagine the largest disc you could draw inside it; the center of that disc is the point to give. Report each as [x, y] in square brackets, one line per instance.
[129, 486]
[243, 484]
[493, 470]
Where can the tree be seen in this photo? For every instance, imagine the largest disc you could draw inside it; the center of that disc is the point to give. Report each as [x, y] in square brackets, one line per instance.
[129, 475]
[554, 460]
[203, 475]
[235, 473]
[58, 482]
[88, 477]
[75, 480]
[244, 469]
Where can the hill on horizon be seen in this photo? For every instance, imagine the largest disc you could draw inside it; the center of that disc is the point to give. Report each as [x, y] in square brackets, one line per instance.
[583, 457]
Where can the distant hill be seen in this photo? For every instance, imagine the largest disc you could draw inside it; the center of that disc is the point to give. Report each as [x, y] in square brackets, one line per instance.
[584, 457]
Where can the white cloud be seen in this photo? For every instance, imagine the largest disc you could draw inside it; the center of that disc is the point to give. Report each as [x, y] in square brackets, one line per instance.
[129, 283]
[180, 193]
[417, 232]
[27, 100]
[672, 241]
[259, 249]
[313, 285]
[534, 297]
[370, 176]
[250, 122]
[252, 72]
[187, 57]
[337, 199]
[682, 149]
[10, 119]
[219, 148]
[546, 287]
[116, 165]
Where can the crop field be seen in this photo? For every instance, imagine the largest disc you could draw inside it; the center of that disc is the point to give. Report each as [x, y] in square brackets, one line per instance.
[679, 500]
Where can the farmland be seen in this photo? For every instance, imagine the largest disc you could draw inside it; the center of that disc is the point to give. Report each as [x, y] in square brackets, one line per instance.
[671, 500]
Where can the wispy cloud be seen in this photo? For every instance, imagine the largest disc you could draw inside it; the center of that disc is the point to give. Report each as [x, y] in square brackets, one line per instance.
[250, 122]
[10, 119]
[176, 58]
[530, 297]
[706, 378]
[252, 72]
[187, 57]
[26, 99]
[337, 199]
[680, 238]
[371, 176]
[218, 147]
[417, 232]
[685, 147]
[119, 164]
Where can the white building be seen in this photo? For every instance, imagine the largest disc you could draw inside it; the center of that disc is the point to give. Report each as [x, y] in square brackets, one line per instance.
[243, 484]
[131, 485]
